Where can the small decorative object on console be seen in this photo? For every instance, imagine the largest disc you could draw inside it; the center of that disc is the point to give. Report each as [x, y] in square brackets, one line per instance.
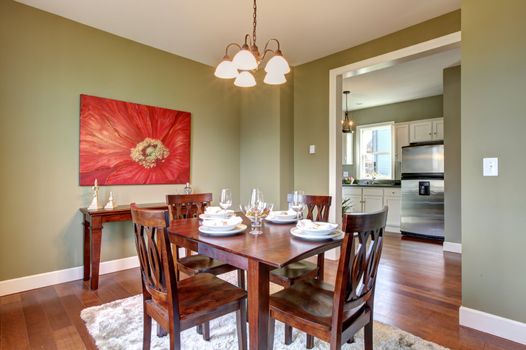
[94, 205]
[111, 202]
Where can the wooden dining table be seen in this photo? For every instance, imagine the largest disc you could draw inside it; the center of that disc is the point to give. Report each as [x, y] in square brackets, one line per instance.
[257, 254]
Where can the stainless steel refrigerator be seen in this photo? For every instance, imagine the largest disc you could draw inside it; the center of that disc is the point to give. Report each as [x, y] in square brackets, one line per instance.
[422, 212]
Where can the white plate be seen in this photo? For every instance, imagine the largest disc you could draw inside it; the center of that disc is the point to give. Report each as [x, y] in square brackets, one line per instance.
[222, 215]
[283, 215]
[296, 232]
[222, 224]
[322, 228]
[239, 228]
[277, 220]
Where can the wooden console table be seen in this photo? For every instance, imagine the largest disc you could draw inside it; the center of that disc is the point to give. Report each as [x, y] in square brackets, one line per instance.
[93, 221]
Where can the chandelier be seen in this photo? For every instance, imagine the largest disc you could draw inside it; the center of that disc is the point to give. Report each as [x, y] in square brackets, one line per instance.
[347, 123]
[248, 58]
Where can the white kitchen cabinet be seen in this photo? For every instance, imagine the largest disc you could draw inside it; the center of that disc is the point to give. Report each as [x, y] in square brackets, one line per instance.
[392, 199]
[370, 199]
[372, 203]
[438, 129]
[426, 130]
[401, 139]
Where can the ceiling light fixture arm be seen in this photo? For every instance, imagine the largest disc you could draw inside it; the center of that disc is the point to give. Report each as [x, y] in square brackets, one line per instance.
[229, 46]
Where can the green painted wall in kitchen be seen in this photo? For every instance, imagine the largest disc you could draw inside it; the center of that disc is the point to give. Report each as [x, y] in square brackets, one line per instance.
[493, 124]
[311, 96]
[452, 163]
[406, 111]
[45, 63]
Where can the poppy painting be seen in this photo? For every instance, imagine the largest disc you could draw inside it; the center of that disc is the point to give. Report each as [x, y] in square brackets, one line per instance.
[123, 143]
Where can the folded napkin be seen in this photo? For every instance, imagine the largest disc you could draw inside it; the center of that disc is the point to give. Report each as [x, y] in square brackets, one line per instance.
[309, 225]
[283, 214]
[213, 210]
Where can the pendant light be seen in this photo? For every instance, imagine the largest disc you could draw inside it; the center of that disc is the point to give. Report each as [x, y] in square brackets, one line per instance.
[248, 59]
[347, 122]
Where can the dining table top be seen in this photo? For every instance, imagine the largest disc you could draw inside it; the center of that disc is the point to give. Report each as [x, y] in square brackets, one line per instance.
[274, 247]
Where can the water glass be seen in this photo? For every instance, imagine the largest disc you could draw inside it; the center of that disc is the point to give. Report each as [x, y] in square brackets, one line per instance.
[225, 200]
[298, 203]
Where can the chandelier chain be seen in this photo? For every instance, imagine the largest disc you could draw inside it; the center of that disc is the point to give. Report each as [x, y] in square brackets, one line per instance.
[255, 23]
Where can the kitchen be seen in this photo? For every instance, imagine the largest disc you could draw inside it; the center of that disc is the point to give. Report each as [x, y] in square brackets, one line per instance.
[395, 145]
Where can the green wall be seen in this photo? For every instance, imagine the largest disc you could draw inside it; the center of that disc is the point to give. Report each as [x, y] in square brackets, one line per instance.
[493, 125]
[267, 141]
[46, 62]
[311, 96]
[406, 111]
[452, 163]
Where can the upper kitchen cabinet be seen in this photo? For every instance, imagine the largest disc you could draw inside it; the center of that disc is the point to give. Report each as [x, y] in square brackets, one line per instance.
[401, 139]
[426, 130]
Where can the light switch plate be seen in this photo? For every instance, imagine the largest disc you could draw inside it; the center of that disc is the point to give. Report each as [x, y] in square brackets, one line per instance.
[491, 166]
[312, 149]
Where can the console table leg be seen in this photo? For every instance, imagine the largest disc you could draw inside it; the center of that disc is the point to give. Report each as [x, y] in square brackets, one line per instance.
[96, 235]
[87, 250]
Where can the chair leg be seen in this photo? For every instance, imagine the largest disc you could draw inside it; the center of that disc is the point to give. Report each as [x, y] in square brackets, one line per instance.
[147, 332]
[241, 278]
[368, 336]
[288, 334]
[241, 321]
[310, 342]
[271, 328]
[206, 331]
[161, 332]
[199, 329]
[351, 340]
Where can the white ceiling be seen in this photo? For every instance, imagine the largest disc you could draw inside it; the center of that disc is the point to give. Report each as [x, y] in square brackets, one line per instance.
[200, 30]
[421, 77]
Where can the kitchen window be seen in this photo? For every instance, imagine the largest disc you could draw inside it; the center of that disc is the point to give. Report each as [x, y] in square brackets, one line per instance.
[375, 153]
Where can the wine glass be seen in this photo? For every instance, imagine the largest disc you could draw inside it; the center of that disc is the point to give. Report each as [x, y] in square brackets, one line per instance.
[225, 200]
[256, 213]
[298, 202]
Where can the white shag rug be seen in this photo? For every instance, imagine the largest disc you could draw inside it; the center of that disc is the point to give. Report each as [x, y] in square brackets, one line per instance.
[118, 326]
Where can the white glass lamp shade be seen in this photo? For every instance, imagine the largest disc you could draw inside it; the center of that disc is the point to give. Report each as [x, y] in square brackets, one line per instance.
[277, 64]
[245, 79]
[226, 70]
[272, 78]
[245, 60]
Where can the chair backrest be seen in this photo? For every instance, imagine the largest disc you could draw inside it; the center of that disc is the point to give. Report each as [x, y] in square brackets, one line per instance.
[359, 258]
[185, 206]
[156, 261]
[317, 206]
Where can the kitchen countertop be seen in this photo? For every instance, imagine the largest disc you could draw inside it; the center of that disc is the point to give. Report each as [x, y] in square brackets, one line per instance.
[380, 185]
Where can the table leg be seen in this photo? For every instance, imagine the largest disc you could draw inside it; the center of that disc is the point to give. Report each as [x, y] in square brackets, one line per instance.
[96, 235]
[258, 304]
[87, 250]
[321, 266]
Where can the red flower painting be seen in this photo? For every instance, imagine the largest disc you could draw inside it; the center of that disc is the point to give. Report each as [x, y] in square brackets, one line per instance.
[124, 143]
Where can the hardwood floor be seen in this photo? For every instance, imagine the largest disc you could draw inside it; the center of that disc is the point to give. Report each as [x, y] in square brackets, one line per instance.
[418, 290]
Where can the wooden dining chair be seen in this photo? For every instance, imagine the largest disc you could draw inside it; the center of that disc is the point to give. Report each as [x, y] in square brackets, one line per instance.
[183, 206]
[317, 210]
[178, 305]
[335, 313]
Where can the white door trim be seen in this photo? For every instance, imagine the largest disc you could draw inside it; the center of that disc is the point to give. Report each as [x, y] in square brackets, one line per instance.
[452, 247]
[335, 88]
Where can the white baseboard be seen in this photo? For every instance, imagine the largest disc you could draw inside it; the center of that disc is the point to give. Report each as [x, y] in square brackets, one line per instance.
[22, 284]
[493, 324]
[452, 247]
[392, 229]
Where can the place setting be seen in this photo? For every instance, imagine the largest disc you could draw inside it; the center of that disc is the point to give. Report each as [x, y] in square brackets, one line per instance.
[220, 221]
